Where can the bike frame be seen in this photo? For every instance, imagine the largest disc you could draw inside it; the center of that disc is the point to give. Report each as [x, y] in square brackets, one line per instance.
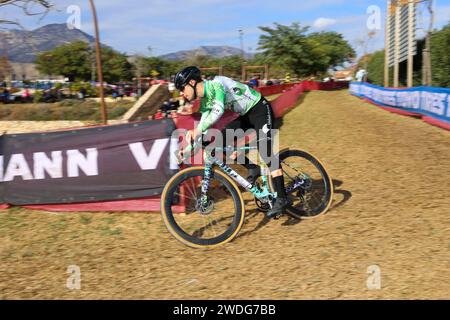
[210, 161]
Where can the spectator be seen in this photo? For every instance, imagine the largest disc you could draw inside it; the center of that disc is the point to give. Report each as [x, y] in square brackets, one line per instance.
[26, 96]
[121, 93]
[159, 115]
[48, 96]
[254, 82]
[174, 104]
[5, 95]
[165, 107]
[83, 92]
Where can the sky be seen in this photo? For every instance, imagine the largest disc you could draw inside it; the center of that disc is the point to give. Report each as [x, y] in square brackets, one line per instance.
[156, 27]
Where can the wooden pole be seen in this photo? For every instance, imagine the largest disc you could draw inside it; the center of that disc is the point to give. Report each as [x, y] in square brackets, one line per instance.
[99, 64]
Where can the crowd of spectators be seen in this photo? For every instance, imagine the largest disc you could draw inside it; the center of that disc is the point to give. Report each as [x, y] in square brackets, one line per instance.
[172, 109]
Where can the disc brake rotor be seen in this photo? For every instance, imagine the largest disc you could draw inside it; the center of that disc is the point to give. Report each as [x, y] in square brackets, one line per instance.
[204, 209]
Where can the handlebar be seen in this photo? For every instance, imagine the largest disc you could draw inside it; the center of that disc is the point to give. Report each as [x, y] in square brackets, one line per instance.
[194, 146]
[189, 151]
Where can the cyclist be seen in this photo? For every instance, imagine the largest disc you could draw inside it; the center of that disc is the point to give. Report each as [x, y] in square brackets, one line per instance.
[255, 112]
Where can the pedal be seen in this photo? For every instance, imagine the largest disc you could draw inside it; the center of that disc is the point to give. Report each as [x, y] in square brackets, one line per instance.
[278, 216]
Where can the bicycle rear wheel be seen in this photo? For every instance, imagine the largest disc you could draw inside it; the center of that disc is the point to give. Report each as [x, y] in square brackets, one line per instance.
[307, 183]
[202, 224]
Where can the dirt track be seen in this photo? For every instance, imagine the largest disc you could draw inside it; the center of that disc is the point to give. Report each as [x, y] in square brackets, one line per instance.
[391, 209]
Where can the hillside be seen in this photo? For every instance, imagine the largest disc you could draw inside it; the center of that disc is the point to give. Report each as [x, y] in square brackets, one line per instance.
[214, 51]
[23, 46]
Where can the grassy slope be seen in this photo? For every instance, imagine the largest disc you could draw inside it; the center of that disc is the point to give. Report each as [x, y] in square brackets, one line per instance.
[66, 110]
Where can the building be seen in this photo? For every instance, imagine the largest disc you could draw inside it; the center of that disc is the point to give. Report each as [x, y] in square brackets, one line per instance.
[27, 71]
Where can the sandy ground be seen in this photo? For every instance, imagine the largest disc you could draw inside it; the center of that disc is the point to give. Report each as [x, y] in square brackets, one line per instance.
[390, 213]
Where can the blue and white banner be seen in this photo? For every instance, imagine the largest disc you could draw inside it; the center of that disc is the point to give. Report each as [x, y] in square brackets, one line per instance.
[428, 101]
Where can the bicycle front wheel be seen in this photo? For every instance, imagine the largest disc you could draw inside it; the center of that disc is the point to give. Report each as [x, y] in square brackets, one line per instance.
[198, 223]
[307, 184]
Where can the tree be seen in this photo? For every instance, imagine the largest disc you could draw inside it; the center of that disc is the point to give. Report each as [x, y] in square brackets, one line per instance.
[71, 60]
[74, 61]
[232, 66]
[292, 48]
[329, 49]
[115, 66]
[375, 67]
[287, 46]
[440, 56]
[143, 66]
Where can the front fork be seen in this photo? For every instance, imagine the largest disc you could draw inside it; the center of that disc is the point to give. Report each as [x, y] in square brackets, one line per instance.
[205, 183]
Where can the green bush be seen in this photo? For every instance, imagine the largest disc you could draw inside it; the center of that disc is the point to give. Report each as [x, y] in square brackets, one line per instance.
[75, 87]
[37, 97]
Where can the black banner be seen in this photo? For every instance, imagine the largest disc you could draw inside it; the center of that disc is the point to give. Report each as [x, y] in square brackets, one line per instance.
[87, 165]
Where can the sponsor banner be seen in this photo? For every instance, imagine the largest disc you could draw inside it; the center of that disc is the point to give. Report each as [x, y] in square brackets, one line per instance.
[427, 101]
[87, 165]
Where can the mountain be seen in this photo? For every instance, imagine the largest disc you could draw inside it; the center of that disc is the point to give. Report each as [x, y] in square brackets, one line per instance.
[214, 51]
[23, 46]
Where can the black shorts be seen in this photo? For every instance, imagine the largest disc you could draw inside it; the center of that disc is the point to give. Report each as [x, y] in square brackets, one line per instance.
[260, 118]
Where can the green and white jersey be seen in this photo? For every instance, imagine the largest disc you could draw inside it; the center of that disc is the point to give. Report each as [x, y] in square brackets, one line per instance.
[222, 94]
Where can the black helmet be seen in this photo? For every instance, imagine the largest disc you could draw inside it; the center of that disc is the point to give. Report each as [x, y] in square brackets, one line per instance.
[185, 75]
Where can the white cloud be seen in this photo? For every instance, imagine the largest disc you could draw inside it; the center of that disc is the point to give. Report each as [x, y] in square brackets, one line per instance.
[321, 23]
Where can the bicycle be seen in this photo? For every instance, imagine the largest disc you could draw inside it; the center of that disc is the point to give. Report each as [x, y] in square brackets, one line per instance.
[213, 189]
